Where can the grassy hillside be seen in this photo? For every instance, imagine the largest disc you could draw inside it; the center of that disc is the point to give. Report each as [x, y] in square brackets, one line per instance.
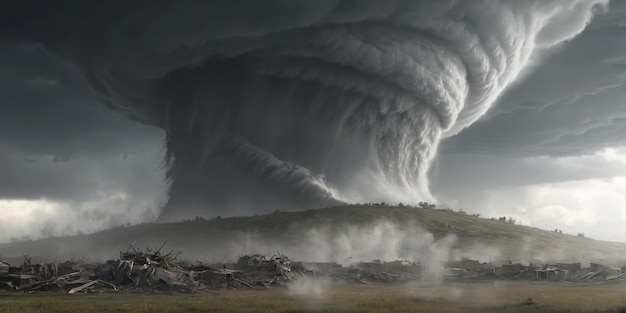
[336, 234]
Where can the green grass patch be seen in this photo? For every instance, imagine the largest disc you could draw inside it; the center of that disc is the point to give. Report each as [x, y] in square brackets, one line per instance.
[415, 297]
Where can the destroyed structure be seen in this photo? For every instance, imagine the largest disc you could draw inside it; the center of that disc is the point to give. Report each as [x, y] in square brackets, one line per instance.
[152, 270]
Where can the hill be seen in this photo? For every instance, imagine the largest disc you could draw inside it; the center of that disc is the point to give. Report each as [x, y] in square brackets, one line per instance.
[341, 234]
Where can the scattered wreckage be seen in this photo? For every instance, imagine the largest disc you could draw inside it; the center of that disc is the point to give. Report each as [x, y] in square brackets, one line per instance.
[147, 271]
[152, 270]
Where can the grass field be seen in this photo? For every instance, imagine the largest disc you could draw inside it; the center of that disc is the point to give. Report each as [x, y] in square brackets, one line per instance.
[453, 297]
[287, 230]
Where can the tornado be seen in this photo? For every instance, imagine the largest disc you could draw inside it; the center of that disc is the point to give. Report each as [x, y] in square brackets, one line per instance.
[284, 104]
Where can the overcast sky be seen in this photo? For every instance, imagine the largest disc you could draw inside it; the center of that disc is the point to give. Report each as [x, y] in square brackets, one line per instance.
[551, 153]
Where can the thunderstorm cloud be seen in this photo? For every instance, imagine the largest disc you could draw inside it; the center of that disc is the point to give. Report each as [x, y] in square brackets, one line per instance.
[275, 104]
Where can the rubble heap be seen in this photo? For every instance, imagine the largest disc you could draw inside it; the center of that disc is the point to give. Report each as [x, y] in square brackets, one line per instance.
[254, 271]
[148, 271]
[152, 270]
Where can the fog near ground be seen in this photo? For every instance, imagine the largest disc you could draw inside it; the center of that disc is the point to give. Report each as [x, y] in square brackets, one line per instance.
[329, 236]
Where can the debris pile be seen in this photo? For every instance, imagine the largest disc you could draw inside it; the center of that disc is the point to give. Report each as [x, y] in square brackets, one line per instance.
[254, 271]
[148, 271]
[152, 270]
[547, 272]
[135, 270]
[385, 272]
[66, 277]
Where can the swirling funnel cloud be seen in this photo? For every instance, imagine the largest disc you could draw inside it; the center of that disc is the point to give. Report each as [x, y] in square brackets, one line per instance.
[294, 104]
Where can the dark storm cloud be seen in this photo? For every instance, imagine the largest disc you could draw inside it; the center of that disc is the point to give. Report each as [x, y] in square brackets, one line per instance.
[46, 108]
[573, 103]
[298, 102]
[67, 163]
[57, 142]
[29, 176]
